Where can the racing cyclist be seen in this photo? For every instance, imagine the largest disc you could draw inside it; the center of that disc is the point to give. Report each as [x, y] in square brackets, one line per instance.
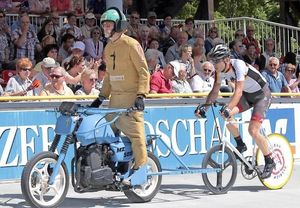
[251, 90]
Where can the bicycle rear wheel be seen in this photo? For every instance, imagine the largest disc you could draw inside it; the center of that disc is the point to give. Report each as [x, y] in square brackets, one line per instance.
[283, 157]
[219, 182]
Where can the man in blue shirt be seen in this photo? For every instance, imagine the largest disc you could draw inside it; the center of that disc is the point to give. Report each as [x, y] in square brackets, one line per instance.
[275, 79]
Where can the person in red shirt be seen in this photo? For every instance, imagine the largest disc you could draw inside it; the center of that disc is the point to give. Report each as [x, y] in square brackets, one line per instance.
[249, 39]
[61, 6]
[160, 81]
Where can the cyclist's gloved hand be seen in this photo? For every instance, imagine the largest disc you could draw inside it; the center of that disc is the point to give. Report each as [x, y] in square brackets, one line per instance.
[200, 111]
[225, 111]
[139, 103]
[98, 101]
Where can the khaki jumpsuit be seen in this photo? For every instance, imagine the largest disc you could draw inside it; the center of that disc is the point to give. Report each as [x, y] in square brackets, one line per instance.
[127, 76]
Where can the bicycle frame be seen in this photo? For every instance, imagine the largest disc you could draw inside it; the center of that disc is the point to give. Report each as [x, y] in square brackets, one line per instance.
[180, 170]
[225, 143]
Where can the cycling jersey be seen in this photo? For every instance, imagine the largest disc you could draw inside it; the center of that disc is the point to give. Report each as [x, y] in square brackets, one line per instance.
[253, 80]
[256, 92]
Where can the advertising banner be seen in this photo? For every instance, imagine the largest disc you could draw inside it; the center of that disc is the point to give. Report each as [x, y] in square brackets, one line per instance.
[25, 133]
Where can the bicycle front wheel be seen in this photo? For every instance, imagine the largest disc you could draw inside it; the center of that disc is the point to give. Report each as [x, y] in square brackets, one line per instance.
[219, 182]
[283, 157]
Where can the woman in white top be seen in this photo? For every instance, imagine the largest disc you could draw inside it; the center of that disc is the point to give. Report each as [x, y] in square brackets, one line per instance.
[88, 82]
[94, 45]
[20, 84]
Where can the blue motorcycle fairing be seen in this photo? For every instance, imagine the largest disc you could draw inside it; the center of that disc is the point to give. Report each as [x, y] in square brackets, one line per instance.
[95, 129]
[65, 124]
[122, 150]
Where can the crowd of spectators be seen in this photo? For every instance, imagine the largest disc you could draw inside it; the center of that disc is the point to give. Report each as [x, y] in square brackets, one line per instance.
[69, 60]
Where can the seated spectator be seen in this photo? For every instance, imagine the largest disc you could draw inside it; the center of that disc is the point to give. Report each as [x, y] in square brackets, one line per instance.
[269, 52]
[57, 85]
[144, 37]
[151, 19]
[173, 52]
[8, 6]
[101, 75]
[65, 49]
[189, 27]
[72, 25]
[20, 84]
[180, 83]
[47, 40]
[237, 50]
[289, 58]
[94, 45]
[44, 75]
[152, 59]
[252, 58]
[185, 53]
[249, 39]
[154, 33]
[209, 41]
[203, 81]
[62, 7]
[73, 72]
[56, 25]
[77, 50]
[88, 83]
[96, 6]
[165, 27]
[47, 29]
[239, 35]
[5, 41]
[39, 7]
[25, 40]
[197, 33]
[49, 51]
[170, 40]
[90, 23]
[134, 25]
[198, 53]
[160, 81]
[154, 44]
[289, 74]
[275, 79]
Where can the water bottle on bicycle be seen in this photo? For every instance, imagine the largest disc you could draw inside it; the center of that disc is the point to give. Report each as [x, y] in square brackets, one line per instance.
[250, 91]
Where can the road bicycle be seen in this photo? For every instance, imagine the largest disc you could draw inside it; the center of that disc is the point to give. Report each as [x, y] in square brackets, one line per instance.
[224, 155]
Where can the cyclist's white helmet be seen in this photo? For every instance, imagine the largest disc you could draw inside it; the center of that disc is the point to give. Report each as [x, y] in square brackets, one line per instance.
[219, 51]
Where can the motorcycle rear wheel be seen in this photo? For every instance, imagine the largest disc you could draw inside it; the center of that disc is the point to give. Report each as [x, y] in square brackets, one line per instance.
[34, 181]
[147, 191]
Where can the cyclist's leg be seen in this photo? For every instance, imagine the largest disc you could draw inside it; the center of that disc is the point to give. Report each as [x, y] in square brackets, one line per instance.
[242, 106]
[258, 115]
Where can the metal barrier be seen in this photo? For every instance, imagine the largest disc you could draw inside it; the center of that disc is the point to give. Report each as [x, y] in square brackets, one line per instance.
[287, 38]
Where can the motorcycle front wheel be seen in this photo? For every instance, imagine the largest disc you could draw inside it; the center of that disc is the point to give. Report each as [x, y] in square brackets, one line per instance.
[34, 181]
[148, 190]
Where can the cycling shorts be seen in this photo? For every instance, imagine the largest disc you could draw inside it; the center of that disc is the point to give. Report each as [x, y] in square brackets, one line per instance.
[260, 101]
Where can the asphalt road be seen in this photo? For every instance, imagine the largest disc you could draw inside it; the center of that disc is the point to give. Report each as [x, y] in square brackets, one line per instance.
[178, 191]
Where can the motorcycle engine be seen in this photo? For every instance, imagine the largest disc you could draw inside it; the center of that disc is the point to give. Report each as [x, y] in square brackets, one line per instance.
[94, 173]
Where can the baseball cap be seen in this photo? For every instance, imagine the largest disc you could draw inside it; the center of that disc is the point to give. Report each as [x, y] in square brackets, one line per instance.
[49, 62]
[79, 45]
[151, 14]
[90, 16]
[176, 66]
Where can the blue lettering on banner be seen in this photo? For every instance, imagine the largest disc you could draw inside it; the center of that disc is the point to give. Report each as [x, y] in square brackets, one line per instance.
[25, 133]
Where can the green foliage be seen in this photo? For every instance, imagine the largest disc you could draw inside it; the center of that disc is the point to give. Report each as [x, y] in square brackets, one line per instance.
[188, 10]
[260, 9]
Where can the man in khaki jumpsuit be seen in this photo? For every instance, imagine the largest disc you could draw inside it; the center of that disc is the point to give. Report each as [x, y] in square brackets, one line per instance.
[126, 81]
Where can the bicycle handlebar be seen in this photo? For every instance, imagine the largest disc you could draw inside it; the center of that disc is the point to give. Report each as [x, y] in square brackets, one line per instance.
[215, 104]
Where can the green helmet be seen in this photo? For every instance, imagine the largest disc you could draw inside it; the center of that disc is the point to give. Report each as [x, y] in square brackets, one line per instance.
[113, 14]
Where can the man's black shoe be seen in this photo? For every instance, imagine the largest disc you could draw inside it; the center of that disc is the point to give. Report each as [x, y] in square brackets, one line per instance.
[241, 149]
[268, 170]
